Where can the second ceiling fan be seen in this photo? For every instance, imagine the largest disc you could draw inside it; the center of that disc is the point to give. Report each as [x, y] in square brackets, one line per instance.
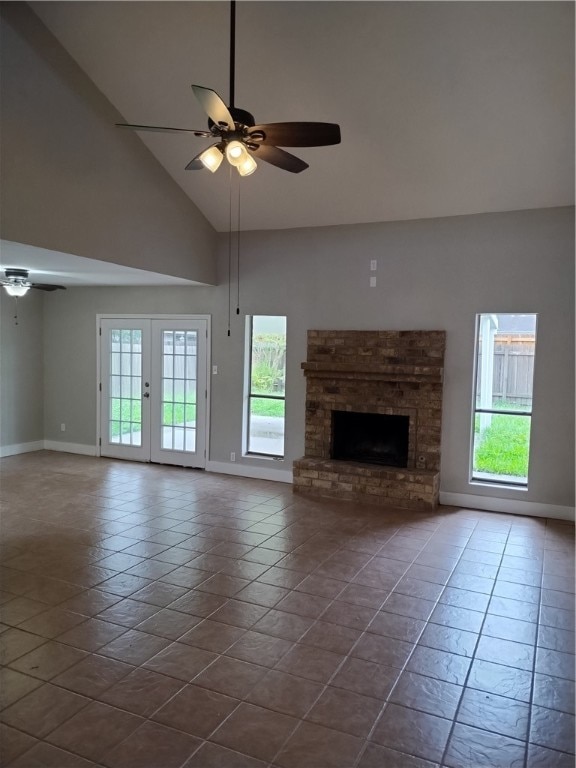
[239, 138]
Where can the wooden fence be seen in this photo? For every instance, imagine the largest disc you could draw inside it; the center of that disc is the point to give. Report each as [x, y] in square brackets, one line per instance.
[513, 368]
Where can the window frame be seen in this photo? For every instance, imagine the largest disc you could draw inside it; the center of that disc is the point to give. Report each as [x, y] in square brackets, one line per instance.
[250, 395]
[493, 479]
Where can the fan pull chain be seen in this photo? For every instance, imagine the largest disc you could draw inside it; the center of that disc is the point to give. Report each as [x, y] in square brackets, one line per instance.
[16, 310]
[238, 256]
[230, 250]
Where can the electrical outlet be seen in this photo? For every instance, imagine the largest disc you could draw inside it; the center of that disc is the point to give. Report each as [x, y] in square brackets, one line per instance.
[372, 282]
[62, 427]
[232, 456]
[373, 265]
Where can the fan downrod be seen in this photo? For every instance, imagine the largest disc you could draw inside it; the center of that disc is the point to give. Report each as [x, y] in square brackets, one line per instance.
[240, 116]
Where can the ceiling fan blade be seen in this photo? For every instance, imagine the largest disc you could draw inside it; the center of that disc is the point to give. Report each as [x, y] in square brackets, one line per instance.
[214, 107]
[281, 159]
[44, 287]
[163, 129]
[296, 134]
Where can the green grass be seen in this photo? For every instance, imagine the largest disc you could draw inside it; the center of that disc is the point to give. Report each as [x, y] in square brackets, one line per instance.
[130, 411]
[503, 448]
[264, 407]
[126, 411]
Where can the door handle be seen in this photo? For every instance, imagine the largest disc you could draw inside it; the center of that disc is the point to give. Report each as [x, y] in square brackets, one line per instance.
[146, 394]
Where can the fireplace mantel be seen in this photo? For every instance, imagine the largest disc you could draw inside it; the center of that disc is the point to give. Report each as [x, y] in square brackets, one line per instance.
[382, 372]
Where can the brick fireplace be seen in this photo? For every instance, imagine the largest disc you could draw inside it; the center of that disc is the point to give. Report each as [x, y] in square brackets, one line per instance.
[389, 373]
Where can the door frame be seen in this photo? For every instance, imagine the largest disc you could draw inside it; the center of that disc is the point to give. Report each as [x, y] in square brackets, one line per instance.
[123, 316]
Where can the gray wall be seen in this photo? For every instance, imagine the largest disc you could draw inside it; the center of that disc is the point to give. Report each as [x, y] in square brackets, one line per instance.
[21, 370]
[73, 182]
[432, 274]
[70, 347]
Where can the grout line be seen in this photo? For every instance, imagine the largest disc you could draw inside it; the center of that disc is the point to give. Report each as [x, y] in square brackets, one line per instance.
[534, 660]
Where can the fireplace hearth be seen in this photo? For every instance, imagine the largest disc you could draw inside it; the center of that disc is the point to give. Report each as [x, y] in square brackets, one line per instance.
[356, 382]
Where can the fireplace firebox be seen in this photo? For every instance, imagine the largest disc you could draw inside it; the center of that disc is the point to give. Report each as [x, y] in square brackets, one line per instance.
[371, 438]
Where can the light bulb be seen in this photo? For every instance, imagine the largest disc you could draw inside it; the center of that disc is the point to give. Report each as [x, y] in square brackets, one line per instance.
[247, 166]
[17, 290]
[211, 158]
[235, 153]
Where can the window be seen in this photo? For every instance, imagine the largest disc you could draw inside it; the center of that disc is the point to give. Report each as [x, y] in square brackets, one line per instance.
[266, 336]
[505, 346]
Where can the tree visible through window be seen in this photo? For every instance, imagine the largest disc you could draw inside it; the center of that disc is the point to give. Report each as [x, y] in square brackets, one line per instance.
[505, 346]
[266, 385]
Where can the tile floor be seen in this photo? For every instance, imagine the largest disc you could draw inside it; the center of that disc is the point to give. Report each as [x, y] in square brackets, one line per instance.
[154, 617]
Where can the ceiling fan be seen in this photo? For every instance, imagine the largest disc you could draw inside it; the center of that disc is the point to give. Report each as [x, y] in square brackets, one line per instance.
[239, 138]
[17, 283]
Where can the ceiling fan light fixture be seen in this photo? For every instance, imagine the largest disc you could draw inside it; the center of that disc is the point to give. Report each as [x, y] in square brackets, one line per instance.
[212, 158]
[17, 290]
[247, 166]
[236, 153]
[237, 131]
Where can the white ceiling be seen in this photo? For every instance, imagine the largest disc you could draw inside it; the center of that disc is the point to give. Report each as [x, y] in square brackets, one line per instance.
[446, 108]
[47, 266]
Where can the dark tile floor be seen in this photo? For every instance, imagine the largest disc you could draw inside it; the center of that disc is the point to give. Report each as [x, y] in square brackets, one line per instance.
[155, 617]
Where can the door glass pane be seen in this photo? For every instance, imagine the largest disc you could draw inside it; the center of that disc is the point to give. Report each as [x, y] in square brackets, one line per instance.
[178, 439]
[190, 416]
[191, 342]
[125, 387]
[191, 367]
[179, 372]
[167, 390]
[179, 367]
[190, 391]
[190, 440]
[137, 411]
[168, 365]
[168, 414]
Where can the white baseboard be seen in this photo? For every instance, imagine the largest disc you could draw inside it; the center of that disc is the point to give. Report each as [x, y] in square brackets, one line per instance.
[13, 450]
[246, 470]
[508, 506]
[56, 445]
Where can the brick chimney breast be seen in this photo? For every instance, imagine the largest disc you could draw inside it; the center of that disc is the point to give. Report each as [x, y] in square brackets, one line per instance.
[380, 372]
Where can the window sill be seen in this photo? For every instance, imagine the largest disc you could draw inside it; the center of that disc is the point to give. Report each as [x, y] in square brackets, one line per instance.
[263, 457]
[491, 483]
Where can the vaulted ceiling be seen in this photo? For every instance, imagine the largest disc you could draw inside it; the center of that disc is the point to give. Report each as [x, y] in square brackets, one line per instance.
[446, 108]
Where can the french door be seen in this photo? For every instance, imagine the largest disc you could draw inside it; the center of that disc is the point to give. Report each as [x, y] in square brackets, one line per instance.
[153, 389]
